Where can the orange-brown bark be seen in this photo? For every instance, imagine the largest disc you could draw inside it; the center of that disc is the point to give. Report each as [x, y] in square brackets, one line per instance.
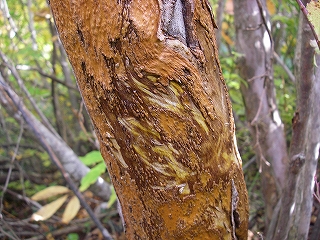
[153, 87]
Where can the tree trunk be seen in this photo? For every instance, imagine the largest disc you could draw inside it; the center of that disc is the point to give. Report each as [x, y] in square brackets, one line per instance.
[150, 77]
[255, 44]
[297, 197]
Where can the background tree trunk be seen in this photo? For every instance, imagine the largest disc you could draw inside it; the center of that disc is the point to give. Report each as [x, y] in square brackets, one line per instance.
[297, 195]
[150, 77]
[255, 44]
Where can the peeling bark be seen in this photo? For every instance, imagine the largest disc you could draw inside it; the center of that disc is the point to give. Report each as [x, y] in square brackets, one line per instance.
[150, 77]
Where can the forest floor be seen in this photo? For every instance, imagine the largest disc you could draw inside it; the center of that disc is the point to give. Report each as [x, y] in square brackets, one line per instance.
[16, 220]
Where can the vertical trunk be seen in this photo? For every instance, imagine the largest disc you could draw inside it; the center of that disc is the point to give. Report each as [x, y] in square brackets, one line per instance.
[253, 41]
[296, 201]
[150, 77]
[313, 150]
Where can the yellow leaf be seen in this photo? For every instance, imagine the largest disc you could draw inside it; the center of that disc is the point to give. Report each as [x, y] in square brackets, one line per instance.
[42, 14]
[313, 8]
[271, 7]
[71, 210]
[227, 39]
[224, 34]
[49, 192]
[49, 236]
[48, 210]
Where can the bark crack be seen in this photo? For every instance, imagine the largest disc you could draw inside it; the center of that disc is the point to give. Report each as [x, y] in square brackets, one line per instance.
[235, 217]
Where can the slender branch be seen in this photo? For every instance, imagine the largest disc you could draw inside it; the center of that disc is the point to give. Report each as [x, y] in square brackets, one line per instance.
[31, 26]
[256, 117]
[4, 127]
[256, 77]
[24, 198]
[63, 61]
[265, 22]
[7, 15]
[315, 233]
[55, 159]
[75, 226]
[252, 160]
[13, 236]
[55, 79]
[70, 160]
[15, 153]
[9, 145]
[284, 66]
[24, 89]
[305, 13]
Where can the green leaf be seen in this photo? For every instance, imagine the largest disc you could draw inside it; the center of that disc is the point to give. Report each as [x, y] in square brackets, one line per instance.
[92, 176]
[72, 236]
[282, 19]
[92, 158]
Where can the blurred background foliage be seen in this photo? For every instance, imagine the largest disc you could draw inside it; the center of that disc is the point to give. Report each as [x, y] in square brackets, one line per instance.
[29, 40]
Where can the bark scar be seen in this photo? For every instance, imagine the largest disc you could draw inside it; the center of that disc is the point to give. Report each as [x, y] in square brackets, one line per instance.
[177, 21]
[235, 217]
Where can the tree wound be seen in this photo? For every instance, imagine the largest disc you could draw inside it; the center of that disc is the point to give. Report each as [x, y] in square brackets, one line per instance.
[176, 20]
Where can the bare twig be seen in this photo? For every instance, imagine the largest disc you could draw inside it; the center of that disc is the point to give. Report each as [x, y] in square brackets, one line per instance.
[258, 146]
[24, 198]
[316, 194]
[24, 89]
[255, 119]
[256, 77]
[15, 153]
[55, 79]
[63, 60]
[31, 26]
[305, 13]
[284, 66]
[83, 128]
[70, 160]
[266, 23]
[4, 223]
[75, 226]
[4, 128]
[26, 115]
[9, 145]
[7, 15]
[252, 160]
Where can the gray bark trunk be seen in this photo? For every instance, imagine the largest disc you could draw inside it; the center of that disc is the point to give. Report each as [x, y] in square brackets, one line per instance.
[297, 200]
[254, 43]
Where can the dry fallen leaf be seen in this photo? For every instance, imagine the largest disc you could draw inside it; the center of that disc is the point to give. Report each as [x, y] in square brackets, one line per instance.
[48, 210]
[71, 210]
[49, 192]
